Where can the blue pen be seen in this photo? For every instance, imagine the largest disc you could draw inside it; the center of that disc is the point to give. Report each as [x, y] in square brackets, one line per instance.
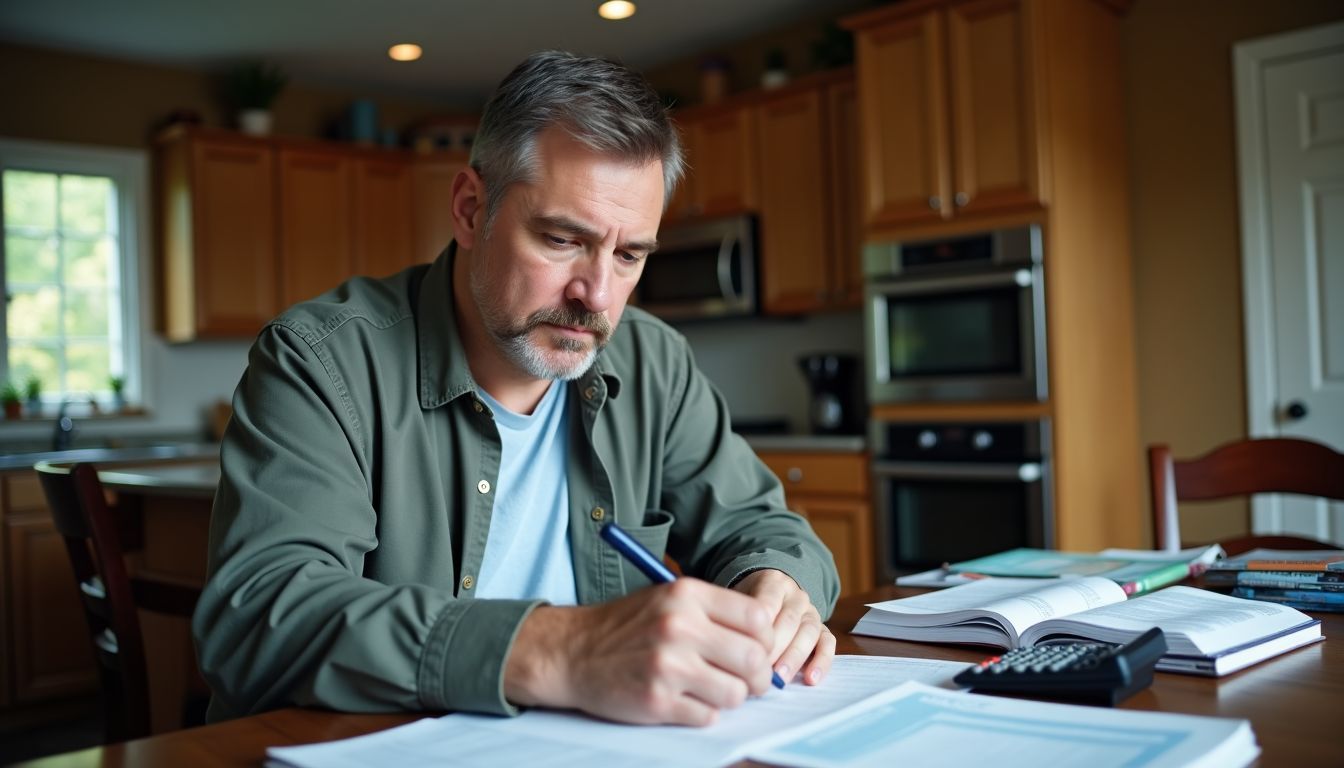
[650, 566]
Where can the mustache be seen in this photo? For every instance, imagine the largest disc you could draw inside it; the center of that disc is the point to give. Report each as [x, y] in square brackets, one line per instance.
[593, 322]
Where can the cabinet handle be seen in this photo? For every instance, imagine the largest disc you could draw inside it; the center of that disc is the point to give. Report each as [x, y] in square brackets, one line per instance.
[961, 199]
[794, 474]
[935, 202]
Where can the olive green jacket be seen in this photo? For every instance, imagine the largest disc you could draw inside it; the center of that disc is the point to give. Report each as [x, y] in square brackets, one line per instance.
[358, 478]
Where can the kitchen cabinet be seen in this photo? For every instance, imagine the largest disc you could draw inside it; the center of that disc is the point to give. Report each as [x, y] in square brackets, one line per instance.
[46, 653]
[831, 490]
[721, 177]
[217, 248]
[432, 201]
[249, 226]
[809, 236]
[949, 110]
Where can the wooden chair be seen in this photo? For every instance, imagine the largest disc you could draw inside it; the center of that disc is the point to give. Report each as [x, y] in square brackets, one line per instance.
[1241, 468]
[94, 541]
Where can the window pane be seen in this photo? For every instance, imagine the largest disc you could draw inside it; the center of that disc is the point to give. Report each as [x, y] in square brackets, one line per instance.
[86, 312]
[30, 199]
[30, 259]
[86, 203]
[88, 262]
[26, 359]
[34, 313]
[87, 367]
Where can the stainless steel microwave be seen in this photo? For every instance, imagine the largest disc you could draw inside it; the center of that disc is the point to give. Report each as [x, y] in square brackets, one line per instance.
[959, 319]
[702, 269]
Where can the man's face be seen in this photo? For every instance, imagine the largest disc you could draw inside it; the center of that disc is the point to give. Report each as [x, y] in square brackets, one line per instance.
[552, 276]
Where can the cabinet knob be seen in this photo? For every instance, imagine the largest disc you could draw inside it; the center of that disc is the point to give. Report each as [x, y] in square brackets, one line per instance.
[1295, 410]
[935, 202]
[961, 199]
[794, 474]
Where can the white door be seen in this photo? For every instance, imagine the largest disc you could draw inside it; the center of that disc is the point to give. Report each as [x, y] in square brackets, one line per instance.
[1290, 121]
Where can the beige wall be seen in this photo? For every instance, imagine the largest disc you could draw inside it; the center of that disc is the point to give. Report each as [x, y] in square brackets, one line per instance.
[56, 96]
[1186, 225]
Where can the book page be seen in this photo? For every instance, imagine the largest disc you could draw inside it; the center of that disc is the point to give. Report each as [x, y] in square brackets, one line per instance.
[1016, 603]
[1195, 621]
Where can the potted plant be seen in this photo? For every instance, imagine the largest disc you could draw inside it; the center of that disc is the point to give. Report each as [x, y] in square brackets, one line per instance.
[118, 385]
[253, 88]
[12, 400]
[32, 393]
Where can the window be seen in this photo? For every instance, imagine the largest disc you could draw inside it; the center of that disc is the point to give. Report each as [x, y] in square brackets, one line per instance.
[70, 256]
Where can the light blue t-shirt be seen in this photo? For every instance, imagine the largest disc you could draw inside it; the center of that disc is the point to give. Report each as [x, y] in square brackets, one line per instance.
[527, 554]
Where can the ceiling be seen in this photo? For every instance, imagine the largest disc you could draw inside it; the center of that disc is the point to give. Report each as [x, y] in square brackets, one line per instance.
[469, 44]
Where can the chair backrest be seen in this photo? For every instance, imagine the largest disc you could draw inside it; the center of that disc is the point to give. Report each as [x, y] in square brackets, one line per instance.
[88, 527]
[1242, 468]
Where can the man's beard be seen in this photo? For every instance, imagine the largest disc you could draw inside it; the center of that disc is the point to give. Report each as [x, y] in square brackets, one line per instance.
[535, 355]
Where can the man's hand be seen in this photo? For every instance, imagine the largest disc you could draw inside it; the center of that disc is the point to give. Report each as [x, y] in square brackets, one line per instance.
[801, 641]
[674, 653]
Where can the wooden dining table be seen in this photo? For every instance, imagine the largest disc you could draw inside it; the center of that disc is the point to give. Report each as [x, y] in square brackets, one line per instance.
[1295, 703]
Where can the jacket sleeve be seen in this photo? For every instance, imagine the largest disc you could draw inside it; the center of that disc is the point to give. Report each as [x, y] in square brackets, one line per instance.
[286, 616]
[728, 507]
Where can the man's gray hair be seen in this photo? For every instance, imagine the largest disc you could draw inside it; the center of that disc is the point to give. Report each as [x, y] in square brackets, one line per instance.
[601, 103]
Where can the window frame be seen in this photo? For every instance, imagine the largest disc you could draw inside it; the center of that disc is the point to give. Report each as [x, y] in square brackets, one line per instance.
[129, 171]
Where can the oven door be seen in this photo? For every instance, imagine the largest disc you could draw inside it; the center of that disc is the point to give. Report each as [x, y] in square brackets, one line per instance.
[932, 513]
[975, 336]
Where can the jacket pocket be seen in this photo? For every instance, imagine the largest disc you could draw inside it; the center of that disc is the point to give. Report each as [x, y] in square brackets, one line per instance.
[653, 535]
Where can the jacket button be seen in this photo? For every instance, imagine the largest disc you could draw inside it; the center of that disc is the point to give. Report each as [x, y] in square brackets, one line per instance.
[483, 486]
[467, 582]
[477, 405]
[599, 513]
[589, 392]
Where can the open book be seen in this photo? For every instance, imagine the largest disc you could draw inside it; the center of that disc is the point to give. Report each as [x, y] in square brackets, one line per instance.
[1207, 633]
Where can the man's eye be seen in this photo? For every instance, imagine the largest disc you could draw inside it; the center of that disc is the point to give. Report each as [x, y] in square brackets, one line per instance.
[557, 240]
[629, 258]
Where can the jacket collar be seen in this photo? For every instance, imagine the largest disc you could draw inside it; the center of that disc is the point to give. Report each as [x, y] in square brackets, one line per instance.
[444, 373]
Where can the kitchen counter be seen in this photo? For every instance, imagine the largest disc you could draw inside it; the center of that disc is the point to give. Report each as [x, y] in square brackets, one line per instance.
[807, 443]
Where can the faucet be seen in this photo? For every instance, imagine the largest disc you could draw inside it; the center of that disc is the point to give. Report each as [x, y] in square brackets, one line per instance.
[63, 435]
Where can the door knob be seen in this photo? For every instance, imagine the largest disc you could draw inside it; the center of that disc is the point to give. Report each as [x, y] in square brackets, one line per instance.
[1295, 410]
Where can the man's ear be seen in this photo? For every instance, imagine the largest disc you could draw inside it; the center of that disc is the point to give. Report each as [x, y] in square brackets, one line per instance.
[468, 210]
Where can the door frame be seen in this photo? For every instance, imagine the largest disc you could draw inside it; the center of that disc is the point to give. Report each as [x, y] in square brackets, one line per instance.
[1249, 59]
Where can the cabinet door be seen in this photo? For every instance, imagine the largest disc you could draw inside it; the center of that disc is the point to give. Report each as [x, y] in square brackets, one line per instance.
[795, 244]
[383, 217]
[232, 275]
[994, 148]
[725, 166]
[845, 527]
[842, 120]
[682, 204]
[50, 653]
[432, 190]
[316, 243]
[904, 121]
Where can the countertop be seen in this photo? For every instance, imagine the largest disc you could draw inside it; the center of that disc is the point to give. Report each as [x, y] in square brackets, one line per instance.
[807, 443]
[145, 453]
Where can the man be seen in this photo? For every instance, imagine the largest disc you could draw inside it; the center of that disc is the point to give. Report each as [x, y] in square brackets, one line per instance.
[418, 467]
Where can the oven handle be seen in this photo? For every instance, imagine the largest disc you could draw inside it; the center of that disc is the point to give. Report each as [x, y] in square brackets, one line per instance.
[726, 267]
[1025, 472]
[1021, 278]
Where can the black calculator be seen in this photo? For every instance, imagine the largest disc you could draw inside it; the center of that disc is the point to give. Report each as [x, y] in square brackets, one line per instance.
[1086, 673]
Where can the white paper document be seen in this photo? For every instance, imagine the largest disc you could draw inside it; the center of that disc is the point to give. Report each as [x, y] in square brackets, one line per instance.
[918, 725]
[545, 738]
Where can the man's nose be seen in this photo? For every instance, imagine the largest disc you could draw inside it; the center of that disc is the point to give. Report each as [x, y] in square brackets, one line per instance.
[591, 282]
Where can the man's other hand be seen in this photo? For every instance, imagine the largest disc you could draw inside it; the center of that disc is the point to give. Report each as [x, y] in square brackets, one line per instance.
[673, 653]
[801, 641]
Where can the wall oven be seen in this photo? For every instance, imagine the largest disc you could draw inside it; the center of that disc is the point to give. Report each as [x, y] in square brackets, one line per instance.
[950, 492]
[957, 319]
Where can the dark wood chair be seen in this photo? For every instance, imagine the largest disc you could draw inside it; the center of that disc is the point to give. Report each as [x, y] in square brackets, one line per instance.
[94, 539]
[1242, 468]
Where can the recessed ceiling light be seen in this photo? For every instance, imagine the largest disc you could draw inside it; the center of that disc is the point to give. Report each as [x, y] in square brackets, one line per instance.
[404, 52]
[616, 10]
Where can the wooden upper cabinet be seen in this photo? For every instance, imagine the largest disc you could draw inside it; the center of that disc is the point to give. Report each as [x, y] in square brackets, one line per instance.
[948, 111]
[217, 236]
[794, 237]
[384, 213]
[682, 204]
[846, 173]
[724, 175]
[432, 192]
[316, 243]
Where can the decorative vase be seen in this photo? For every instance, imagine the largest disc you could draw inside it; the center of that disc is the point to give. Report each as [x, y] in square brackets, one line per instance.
[255, 122]
[13, 409]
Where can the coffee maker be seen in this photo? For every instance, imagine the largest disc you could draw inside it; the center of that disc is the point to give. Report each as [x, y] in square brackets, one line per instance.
[837, 397]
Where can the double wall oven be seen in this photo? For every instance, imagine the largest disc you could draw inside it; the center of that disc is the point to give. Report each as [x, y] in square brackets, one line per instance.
[958, 321]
